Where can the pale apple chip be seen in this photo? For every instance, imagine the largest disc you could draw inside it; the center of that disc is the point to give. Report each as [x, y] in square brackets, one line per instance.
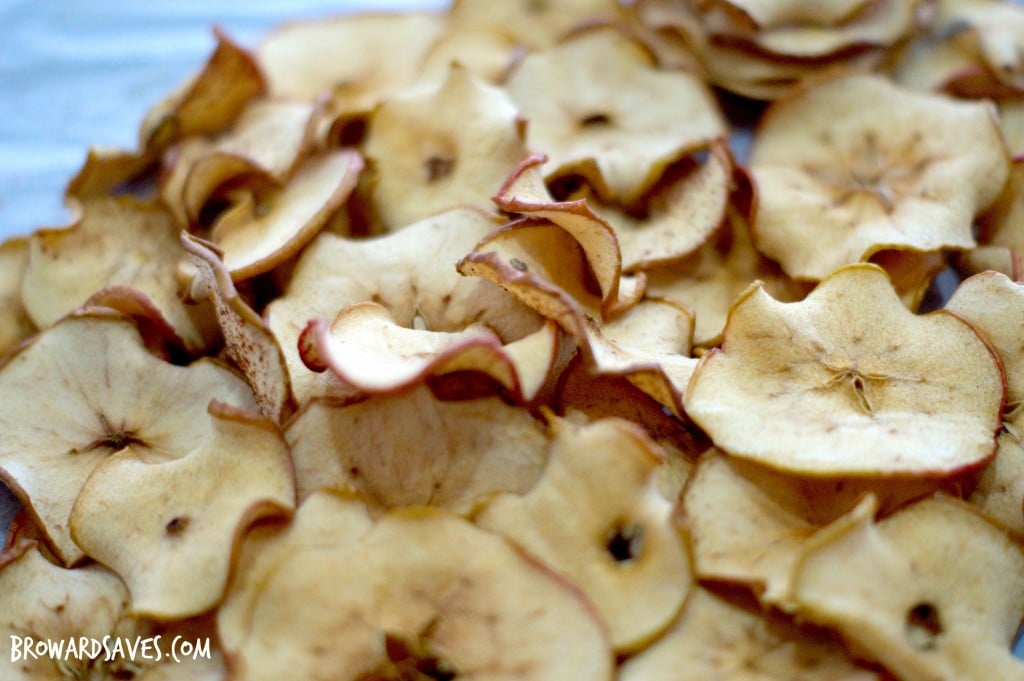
[411, 273]
[169, 529]
[911, 272]
[285, 219]
[412, 449]
[487, 52]
[1011, 120]
[209, 101]
[15, 323]
[1000, 488]
[86, 388]
[1002, 227]
[597, 102]
[537, 25]
[715, 639]
[115, 242]
[935, 591]
[856, 164]
[764, 14]
[425, 594]
[597, 517]
[999, 30]
[441, 146]
[848, 381]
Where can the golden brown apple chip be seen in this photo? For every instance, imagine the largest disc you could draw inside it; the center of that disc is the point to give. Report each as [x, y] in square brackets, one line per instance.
[412, 449]
[115, 242]
[411, 273]
[209, 101]
[169, 529]
[715, 639]
[599, 107]
[935, 591]
[597, 517]
[15, 323]
[436, 148]
[84, 389]
[535, 24]
[856, 165]
[425, 594]
[849, 381]
[105, 169]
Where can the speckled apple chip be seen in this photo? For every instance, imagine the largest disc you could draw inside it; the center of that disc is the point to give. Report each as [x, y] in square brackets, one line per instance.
[935, 591]
[411, 604]
[849, 381]
[856, 165]
[84, 389]
[597, 517]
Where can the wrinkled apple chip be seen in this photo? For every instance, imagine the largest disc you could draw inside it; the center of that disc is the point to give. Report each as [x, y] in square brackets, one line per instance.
[86, 388]
[425, 594]
[849, 381]
[116, 241]
[15, 323]
[599, 108]
[411, 273]
[715, 639]
[438, 148]
[209, 101]
[935, 591]
[596, 516]
[536, 25]
[839, 180]
[413, 449]
[169, 529]
[282, 221]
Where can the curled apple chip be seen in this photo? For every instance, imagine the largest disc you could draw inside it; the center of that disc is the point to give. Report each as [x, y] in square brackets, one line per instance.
[835, 184]
[440, 147]
[932, 592]
[599, 107]
[114, 242]
[102, 391]
[412, 449]
[760, 14]
[1000, 227]
[536, 25]
[597, 517]
[15, 323]
[425, 594]
[997, 27]
[715, 639]
[105, 170]
[849, 381]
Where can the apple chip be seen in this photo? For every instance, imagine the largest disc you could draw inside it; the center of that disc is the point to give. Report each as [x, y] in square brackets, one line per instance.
[836, 184]
[999, 30]
[105, 170]
[425, 594]
[436, 148]
[489, 53]
[15, 323]
[115, 242]
[85, 389]
[597, 517]
[715, 639]
[761, 14]
[849, 381]
[1001, 227]
[537, 25]
[599, 108]
[932, 592]
[413, 449]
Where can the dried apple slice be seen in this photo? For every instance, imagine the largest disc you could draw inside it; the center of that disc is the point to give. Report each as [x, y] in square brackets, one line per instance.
[105, 170]
[537, 25]
[999, 30]
[1001, 230]
[102, 391]
[436, 148]
[597, 100]
[412, 449]
[759, 14]
[715, 639]
[596, 516]
[489, 53]
[837, 184]
[932, 592]
[848, 381]
[15, 323]
[425, 594]
[115, 242]
[170, 529]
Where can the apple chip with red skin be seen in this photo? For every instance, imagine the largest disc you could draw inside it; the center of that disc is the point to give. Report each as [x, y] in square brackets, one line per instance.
[15, 323]
[934, 591]
[169, 529]
[848, 381]
[715, 639]
[855, 165]
[536, 25]
[425, 594]
[441, 146]
[597, 517]
[599, 108]
[412, 449]
[115, 242]
[411, 273]
[84, 389]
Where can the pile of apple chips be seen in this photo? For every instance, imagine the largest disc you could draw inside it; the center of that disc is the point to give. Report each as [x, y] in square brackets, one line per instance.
[470, 345]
